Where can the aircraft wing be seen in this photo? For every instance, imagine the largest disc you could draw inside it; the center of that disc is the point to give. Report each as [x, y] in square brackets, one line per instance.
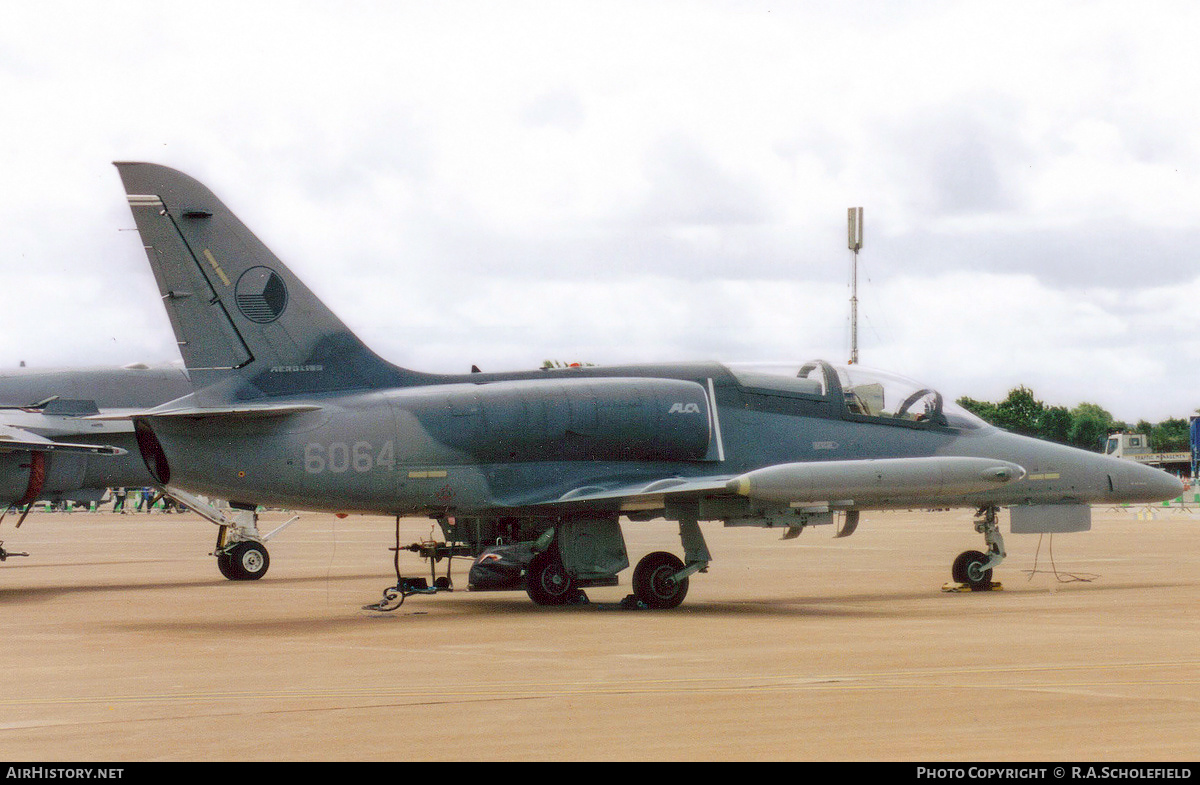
[13, 439]
[644, 495]
[846, 484]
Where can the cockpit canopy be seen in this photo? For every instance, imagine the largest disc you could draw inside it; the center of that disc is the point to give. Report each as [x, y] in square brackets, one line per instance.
[859, 393]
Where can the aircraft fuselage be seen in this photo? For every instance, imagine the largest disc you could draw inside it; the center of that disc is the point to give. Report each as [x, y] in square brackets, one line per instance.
[505, 442]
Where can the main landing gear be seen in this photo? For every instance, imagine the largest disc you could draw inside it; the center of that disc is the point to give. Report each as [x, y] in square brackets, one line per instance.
[656, 581]
[547, 581]
[973, 569]
[660, 579]
[241, 550]
[554, 560]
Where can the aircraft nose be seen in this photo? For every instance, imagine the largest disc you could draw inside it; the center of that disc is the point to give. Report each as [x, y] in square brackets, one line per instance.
[1166, 486]
[1148, 484]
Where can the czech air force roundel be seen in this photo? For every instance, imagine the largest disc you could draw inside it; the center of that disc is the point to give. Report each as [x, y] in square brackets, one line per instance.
[261, 295]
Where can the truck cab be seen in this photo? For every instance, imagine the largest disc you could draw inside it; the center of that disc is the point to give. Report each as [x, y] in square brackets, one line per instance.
[1127, 445]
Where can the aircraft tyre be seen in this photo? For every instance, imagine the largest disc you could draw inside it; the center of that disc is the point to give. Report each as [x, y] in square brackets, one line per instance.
[246, 561]
[547, 581]
[653, 584]
[967, 570]
[225, 565]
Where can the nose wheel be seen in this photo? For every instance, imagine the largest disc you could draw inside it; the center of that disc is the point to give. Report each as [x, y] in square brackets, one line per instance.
[969, 570]
[973, 569]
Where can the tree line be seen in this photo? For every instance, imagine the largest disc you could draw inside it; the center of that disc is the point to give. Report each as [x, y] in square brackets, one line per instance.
[1086, 426]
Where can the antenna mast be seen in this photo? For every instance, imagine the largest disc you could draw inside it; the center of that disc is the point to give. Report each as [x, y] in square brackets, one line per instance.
[855, 228]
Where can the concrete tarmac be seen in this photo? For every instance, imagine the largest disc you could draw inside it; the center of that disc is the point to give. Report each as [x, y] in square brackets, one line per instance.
[122, 643]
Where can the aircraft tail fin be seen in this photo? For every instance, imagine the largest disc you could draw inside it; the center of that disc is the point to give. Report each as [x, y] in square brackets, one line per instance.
[246, 326]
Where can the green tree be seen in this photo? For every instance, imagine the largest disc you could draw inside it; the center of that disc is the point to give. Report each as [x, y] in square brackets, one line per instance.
[1056, 424]
[1020, 412]
[1086, 426]
[984, 410]
[1170, 435]
[1090, 426]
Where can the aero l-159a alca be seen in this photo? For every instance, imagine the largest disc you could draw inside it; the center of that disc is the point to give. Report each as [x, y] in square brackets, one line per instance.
[291, 409]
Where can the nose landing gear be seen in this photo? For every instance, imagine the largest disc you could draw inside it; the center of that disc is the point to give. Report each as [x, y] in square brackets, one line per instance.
[972, 569]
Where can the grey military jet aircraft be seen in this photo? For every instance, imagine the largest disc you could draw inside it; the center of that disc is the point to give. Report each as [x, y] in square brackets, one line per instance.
[51, 451]
[76, 441]
[292, 409]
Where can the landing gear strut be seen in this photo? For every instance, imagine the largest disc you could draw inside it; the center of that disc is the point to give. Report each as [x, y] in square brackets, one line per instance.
[974, 569]
[241, 551]
[241, 556]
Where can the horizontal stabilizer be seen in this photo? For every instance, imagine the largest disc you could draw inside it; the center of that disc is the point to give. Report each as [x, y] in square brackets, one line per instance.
[194, 412]
[16, 439]
[40, 405]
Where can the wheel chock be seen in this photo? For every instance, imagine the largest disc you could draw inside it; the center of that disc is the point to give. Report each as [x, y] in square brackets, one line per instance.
[960, 587]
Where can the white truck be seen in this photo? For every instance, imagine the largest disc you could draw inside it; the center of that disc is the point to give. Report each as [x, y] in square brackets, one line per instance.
[1136, 447]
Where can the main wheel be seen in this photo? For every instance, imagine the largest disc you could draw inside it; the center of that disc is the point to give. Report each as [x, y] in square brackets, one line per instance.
[653, 583]
[968, 569]
[547, 581]
[246, 561]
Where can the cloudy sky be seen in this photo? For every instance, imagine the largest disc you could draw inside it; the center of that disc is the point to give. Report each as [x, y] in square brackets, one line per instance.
[501, 183]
